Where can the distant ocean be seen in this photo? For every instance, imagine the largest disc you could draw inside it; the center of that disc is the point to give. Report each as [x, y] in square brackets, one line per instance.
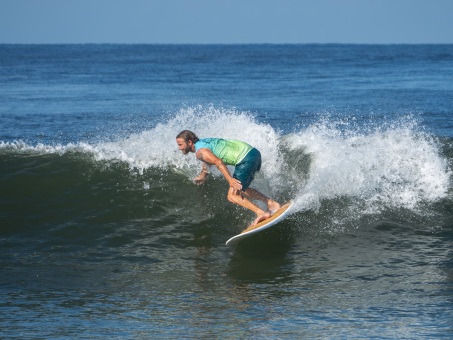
[104, 235]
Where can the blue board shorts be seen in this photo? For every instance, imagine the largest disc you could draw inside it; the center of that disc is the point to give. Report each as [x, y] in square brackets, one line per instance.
[246, 169]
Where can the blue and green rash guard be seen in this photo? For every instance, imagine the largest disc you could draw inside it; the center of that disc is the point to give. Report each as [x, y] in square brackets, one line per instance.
[231, 152]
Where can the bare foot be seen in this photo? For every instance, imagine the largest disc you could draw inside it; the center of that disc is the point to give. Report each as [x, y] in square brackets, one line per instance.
[273, 206]
[261, 218]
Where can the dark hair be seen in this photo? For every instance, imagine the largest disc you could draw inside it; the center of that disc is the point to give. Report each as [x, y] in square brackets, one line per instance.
[188, 135]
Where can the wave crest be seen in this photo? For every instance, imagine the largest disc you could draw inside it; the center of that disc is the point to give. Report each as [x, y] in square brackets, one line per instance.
[394, 165]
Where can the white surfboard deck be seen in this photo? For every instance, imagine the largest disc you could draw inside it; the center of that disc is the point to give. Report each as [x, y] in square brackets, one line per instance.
[276, 217]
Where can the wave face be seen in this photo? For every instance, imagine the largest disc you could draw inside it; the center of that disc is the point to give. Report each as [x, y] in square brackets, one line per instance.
[340, 174]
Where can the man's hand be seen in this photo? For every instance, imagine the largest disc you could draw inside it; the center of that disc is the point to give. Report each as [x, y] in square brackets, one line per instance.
[235, 183]
[200, 179]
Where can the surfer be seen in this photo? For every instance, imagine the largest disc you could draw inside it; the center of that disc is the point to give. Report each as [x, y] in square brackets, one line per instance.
[222, 152]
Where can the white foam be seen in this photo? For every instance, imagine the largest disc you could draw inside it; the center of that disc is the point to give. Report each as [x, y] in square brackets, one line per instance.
[157, 147]
[41, 148]
[390, 166]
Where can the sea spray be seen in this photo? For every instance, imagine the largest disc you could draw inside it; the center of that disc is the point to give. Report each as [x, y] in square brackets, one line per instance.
[394, 165]
[157, 147]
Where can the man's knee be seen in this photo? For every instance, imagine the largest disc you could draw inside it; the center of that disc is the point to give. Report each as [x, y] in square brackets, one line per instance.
[232, 196]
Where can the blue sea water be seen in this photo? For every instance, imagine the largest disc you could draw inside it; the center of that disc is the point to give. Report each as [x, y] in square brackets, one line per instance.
[103, 233]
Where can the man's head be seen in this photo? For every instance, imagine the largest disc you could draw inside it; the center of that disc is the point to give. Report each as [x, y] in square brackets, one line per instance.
[186, 141]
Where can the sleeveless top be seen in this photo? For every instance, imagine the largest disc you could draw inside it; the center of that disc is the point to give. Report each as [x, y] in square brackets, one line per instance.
[231, 152]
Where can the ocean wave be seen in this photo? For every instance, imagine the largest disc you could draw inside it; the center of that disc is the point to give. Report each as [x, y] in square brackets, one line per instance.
[391, 166]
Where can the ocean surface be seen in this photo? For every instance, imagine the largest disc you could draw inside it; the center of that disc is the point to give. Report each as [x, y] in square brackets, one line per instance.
[104, 235]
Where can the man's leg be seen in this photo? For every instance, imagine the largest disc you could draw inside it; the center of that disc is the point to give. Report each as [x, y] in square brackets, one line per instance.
[235, 196]
[254, 194]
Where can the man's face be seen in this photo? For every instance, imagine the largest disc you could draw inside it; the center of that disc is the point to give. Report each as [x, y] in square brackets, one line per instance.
[184, 147]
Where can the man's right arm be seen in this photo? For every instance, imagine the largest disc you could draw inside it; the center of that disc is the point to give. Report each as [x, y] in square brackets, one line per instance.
[206, 156]
[203, 176]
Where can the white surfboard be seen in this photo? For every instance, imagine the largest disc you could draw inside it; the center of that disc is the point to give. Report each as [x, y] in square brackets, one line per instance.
[276, 217]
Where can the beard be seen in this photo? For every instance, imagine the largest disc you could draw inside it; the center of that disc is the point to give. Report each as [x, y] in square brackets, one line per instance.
[186, 150]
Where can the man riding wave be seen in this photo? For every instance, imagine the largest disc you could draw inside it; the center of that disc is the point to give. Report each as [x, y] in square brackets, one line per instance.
[222, 152]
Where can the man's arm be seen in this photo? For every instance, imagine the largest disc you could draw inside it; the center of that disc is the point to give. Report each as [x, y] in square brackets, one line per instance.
[207, 157]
